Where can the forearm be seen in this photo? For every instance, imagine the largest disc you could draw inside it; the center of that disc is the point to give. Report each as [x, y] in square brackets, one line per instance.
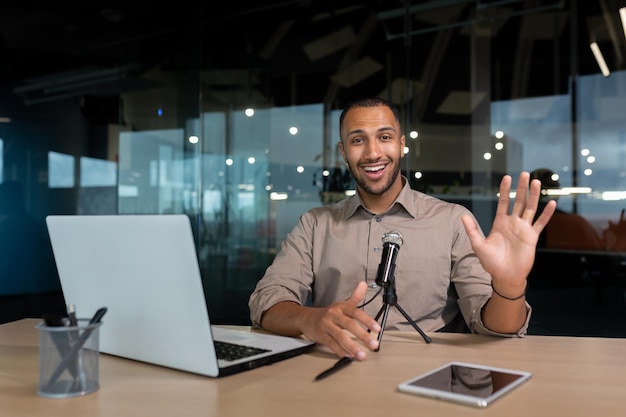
[286, 318]
[502, 314]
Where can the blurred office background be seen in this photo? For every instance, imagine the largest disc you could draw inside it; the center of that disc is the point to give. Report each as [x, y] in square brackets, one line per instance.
[229, 113]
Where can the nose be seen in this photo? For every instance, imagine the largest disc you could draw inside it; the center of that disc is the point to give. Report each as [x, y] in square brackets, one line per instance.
[372, 150]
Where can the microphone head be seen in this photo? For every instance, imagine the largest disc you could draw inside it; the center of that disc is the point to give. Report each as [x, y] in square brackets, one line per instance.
[392, 236]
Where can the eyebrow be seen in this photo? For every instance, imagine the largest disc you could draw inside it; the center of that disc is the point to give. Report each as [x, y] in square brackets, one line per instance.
[382, 129]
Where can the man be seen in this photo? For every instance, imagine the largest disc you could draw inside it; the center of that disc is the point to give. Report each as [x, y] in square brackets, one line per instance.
[447, 273]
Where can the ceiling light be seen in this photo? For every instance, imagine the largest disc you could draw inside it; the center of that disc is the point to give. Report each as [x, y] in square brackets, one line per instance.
[613, 195]
[568, 191]
[600, 59]
[274, 196]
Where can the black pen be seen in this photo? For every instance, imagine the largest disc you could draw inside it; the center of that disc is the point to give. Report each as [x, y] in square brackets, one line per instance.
[60, 339]
[73, 352]
[73, 322]
[340, 364]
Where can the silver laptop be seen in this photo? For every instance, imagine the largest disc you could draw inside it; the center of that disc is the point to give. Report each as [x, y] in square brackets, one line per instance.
[144, 270]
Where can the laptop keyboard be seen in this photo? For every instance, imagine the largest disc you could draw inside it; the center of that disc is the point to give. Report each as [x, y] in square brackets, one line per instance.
[231, 351]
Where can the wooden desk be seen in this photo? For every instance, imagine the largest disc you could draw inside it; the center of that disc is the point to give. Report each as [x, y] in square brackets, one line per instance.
[571, 377]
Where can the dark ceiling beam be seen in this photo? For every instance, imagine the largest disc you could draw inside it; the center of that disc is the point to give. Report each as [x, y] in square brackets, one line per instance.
[419, 8]
[558, 4]
[431, 69]
[523, 55]
[353, 53]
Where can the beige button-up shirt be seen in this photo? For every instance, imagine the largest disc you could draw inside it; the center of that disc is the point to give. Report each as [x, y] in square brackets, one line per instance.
[439, 281]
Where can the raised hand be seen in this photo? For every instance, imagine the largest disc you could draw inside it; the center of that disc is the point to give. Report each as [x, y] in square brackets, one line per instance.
[508, 252]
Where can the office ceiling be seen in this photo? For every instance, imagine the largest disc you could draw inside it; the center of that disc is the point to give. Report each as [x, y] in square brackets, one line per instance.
[296, 52]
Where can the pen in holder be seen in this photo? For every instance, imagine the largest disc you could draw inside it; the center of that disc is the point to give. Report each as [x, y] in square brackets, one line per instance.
[68, 358]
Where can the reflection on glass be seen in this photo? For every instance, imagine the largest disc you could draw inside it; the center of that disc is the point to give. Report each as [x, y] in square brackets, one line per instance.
[152, 164]
[60, 170]
[97, 172]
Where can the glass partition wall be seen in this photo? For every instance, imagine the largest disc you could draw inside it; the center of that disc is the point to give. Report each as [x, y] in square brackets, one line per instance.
[232, 119]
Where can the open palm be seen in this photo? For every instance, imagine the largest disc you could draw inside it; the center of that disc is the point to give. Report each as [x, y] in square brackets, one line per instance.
[508, 252]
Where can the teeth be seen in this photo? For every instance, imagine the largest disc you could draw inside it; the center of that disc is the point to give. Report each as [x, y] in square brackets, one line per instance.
[372, 169]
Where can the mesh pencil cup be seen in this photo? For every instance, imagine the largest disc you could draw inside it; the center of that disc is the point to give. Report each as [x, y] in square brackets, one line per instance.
[68, 359]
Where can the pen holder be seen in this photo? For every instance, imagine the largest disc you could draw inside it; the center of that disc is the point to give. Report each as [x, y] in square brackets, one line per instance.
[68, 359]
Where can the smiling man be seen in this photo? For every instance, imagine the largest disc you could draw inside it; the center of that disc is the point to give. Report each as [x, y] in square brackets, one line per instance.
[448, 275]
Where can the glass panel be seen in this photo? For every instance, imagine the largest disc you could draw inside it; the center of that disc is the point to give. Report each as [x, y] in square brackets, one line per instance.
[60, 171]
[600, 156]
[151, 172]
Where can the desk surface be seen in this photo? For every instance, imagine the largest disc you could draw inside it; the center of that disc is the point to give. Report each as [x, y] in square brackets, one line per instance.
[571, 377]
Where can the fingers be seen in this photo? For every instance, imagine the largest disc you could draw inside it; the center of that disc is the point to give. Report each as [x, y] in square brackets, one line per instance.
[527, 195]
[471, 228]
[359, 315]
[545, 216]
[503, 199]
[519, 208]
[344, 328]
[343, 332]
[361, 325]
[533, 201]
[343, 348]
[358, 294]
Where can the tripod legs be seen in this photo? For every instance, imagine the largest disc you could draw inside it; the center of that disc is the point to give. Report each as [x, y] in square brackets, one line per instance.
[412, 322]
[384, 311]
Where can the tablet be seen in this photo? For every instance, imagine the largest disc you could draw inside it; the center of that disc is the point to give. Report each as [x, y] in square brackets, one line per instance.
[465, 383]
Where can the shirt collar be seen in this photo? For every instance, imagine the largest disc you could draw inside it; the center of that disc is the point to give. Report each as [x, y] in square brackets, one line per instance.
[403, 201]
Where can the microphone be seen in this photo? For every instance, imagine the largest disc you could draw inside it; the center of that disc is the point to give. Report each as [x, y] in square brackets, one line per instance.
[392, 240]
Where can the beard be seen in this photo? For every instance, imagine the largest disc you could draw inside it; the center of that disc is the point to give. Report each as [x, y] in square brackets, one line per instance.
[367, 188]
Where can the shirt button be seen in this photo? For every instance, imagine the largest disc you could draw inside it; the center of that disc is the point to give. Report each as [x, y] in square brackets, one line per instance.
[378, 220]
[376, 249]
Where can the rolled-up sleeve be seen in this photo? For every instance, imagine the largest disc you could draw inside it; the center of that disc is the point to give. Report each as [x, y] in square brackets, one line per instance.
[289, 277]
[472, 306]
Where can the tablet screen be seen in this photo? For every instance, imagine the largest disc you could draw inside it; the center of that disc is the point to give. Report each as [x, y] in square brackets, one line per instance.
[465, 383]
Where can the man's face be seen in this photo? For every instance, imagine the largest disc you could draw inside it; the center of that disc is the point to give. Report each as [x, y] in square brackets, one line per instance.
[372, 146]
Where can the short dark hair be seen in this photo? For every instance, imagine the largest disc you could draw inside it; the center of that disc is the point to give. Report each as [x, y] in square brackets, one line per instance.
[369, 102]
[545, 175]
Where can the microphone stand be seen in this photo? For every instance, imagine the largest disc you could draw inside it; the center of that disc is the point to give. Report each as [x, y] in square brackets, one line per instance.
[390, 298]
